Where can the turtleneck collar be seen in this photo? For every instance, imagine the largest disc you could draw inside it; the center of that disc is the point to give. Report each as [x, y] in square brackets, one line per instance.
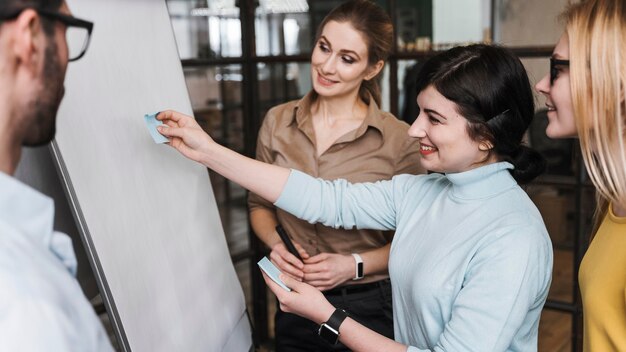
[482, 182]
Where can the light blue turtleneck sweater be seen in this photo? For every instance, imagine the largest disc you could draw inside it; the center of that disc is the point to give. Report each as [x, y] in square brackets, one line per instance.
[471, 260]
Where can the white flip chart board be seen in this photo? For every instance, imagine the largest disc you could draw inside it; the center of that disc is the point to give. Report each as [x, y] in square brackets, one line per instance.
[147, 216]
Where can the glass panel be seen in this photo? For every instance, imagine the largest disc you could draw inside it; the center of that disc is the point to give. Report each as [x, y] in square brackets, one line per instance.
[555, 329]
[457, 22]
[215, 94]
[282, 82]
[423, 25]
[407, 90]
[414, 25]
[528, 23]
[206, 29]
[282, 27]
[557, 205]
[562, 276]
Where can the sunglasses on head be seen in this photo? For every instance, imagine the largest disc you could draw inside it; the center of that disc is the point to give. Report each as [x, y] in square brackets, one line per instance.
[554, 71]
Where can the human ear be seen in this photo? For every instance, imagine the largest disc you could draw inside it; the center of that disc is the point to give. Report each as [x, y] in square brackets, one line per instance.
[485, 146]
[28, 42]
[375, 70]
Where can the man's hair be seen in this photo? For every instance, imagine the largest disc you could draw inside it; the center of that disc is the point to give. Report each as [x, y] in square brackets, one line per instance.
[9, 7]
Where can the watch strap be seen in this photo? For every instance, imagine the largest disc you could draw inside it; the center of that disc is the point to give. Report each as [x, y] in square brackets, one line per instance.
[335, 320]
[358, 267]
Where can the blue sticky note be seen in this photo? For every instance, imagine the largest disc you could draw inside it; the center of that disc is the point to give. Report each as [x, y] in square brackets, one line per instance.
[152, 124]
[272, 271]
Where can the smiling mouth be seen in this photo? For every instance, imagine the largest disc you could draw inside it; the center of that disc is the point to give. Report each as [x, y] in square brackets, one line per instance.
[324, 81]
[550, 107]
[427, 149]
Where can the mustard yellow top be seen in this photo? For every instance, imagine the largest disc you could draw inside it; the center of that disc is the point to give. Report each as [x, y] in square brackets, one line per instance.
[602, 279]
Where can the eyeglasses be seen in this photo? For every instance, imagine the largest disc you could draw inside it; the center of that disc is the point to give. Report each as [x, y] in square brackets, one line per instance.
[77, 34]
[554, 70]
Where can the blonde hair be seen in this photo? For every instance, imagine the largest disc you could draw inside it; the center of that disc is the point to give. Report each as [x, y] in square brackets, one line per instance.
[597, 40]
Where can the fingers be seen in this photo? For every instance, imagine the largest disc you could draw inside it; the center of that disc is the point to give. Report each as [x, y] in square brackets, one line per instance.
[317, 258]
[293, 260]
[323, 276]
[278, 291]
[171, 115]
[319, 267]
[286, 267]
[303, 253]
[287, 262]
[170, 123]
[293, 283]
[170, 131]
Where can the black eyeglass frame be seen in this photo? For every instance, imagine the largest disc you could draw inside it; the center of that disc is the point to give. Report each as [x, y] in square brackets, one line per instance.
[69, 21]
[553, 68]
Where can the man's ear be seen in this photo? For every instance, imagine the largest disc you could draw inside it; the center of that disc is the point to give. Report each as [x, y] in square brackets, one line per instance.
[28, 42]
[375, 69]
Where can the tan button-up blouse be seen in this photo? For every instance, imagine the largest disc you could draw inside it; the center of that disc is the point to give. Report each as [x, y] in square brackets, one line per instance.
[377, 150]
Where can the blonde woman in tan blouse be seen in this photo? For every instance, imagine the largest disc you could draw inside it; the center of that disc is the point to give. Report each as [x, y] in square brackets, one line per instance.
[337, 131]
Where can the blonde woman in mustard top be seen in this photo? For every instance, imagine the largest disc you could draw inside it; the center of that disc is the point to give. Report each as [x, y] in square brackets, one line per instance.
[585, 99]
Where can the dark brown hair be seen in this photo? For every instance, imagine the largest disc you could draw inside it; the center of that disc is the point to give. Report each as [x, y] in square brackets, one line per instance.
[9, 7]
[377, 29]
[490, 88]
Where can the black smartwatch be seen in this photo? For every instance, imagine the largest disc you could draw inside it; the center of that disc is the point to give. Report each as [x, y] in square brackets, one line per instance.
[329, 331]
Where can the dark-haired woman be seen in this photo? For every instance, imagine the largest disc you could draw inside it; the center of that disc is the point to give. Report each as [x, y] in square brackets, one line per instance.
[471, 259]
[337, 131]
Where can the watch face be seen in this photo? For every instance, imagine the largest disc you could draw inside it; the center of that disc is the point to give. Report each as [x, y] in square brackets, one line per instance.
[360, 270]
[329, 334]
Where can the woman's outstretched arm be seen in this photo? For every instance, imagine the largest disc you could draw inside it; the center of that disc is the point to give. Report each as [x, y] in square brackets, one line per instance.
[190, 140]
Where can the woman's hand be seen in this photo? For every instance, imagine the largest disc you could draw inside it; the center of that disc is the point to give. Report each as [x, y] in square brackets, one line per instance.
[185, 134]
[328, 270]
[287, 262]
[304, 300]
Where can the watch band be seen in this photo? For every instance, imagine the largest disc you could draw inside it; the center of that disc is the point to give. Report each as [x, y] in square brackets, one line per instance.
[329, 331]
[358, 268]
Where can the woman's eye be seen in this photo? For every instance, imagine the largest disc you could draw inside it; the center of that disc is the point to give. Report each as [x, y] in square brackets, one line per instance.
[558, 69]
[323, 48]
[433, 120]
[347, 59]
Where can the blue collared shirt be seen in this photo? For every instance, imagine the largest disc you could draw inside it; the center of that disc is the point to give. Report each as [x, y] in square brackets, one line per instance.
[42, 307]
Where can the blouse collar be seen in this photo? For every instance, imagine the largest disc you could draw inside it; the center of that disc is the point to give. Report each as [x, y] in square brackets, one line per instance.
[373, 118]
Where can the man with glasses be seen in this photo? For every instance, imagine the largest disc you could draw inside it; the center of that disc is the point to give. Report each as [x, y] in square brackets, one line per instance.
[42, 307]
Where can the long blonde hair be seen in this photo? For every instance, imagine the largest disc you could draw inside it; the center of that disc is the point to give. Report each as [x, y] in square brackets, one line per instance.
[597, 40]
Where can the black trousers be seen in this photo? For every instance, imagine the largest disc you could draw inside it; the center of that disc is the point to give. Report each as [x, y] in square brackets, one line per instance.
[369, 304]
